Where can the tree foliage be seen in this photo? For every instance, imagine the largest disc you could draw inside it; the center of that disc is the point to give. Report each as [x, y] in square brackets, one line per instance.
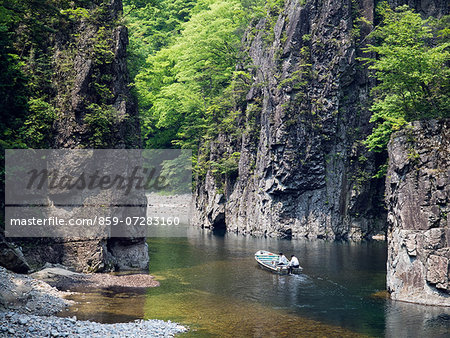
[36, 77]
[25, 72]
[153, 24]
[411, 66]
[179, 85]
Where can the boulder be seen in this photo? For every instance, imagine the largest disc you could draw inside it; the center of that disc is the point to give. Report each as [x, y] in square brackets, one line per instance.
[12, 258]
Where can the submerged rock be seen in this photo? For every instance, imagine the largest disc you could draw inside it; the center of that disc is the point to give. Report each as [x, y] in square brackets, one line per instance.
[64, 279]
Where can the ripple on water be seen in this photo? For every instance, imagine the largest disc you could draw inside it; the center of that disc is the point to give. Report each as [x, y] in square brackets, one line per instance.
[213, 285]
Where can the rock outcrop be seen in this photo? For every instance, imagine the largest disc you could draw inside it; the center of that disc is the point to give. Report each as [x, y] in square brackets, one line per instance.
[91, 81]
[12, 258]
[417, 197]
[95, 110]
[99, 93]
[302, 169]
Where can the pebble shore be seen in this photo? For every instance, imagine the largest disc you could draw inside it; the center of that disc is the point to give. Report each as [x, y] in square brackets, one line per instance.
[28, 305]
[14, 324]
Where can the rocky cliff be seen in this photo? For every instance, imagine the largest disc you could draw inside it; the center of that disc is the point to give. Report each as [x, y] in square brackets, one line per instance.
[91, 81]
[90, 92]
[417, 197]
[99, 112]
[303, 170]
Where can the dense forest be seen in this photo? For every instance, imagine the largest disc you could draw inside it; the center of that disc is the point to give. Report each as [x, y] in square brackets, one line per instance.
[191, 74]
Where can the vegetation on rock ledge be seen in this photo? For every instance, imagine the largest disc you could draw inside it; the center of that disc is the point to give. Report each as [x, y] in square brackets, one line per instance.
[411, 66]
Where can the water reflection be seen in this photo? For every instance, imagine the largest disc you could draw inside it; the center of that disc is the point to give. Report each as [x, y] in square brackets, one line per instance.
[412, 320]
[213, 284]
[107, 305]
[336, 285]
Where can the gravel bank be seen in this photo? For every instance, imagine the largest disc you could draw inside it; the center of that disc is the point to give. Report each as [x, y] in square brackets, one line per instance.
[22, 293]
[21, 325]
[63, 279]
[28, 305]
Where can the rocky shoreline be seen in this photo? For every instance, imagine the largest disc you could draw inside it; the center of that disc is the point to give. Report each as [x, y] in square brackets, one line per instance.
[28, 307]
[22, 325]
[63, 279]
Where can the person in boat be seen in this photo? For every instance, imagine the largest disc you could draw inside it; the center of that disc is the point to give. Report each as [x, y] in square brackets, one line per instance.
[293, 263]
[282, 260]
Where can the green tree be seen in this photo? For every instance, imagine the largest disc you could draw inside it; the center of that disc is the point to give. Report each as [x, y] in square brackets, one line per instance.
[179, 83]
[411, 66]
[153, 24]
[25, 71]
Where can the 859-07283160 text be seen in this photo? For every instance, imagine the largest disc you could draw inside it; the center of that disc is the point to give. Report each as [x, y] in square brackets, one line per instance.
[95, 193]
[96, 220]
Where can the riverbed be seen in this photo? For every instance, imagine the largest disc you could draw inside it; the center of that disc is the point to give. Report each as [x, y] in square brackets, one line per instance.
[212, 284]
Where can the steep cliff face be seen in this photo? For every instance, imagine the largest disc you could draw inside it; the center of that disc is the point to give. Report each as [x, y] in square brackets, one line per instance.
[91, 82]
[302, 168]
[417, 196]
[96, 110]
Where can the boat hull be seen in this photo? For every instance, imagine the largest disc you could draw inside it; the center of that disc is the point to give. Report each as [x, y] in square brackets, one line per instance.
[269, 261]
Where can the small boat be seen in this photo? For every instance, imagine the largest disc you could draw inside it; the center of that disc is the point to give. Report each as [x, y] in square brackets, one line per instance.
[269, 261]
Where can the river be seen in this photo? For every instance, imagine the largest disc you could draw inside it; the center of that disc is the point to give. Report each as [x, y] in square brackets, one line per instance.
[213, 284]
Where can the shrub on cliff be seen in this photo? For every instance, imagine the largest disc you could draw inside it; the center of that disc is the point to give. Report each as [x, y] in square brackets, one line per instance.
[411, 66]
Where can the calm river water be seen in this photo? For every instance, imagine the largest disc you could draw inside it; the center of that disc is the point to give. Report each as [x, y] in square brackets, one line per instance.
[213, 284]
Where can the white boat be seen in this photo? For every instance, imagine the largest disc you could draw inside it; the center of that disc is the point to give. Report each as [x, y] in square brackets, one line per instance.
[269, 261]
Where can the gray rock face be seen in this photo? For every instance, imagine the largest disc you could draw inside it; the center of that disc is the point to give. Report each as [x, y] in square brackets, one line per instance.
[302, 169]
[417, 196]
[91, 90]
[435, 8]
[81, 254]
